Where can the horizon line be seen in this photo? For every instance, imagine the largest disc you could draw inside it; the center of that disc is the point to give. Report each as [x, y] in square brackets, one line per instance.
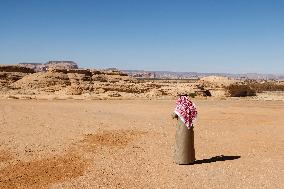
[243, 73]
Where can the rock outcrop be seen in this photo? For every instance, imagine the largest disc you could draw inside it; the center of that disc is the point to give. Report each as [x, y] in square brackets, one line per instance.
[97, 84]
[217, 81]
[12, 73]
[77, 82]
[15, 68]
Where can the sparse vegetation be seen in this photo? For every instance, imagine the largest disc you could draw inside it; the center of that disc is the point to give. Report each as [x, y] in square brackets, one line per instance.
[207, 93]
[192, 95]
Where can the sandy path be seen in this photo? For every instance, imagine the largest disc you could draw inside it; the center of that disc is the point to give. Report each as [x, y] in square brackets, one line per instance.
[115, 144]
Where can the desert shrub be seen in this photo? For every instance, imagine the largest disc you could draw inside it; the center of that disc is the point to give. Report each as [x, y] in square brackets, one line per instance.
[201, 87]
[236, 90]
[207, 93]
[192, 95]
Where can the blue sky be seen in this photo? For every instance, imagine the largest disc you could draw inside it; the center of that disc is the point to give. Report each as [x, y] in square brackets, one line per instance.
[235, 36]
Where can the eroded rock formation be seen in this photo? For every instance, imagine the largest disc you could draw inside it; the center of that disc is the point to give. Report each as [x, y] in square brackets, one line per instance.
[12, 73]
[17, 80]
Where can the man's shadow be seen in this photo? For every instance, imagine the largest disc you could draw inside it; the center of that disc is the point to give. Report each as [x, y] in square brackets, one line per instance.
[215, 159]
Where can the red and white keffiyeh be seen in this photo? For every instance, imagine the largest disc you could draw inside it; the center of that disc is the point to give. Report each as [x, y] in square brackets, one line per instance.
[186, 110]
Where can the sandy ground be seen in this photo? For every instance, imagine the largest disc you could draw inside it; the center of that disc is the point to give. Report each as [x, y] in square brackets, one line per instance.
[129, 144]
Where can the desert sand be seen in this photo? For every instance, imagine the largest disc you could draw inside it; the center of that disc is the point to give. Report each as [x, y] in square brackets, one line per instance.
[129, 144]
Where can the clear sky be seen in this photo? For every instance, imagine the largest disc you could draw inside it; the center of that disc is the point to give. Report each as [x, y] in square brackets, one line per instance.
[235, 36]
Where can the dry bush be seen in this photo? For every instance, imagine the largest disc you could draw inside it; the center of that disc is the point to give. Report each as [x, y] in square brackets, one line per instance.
[236, 90]
[192, 95]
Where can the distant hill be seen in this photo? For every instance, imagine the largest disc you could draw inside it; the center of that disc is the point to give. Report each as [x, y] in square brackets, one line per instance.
[37, 67]
[192, 75]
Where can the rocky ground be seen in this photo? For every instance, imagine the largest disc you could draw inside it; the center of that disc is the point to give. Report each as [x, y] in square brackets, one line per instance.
[129, 144]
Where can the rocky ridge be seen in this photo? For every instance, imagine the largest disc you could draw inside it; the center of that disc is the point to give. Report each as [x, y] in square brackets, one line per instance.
[23, 82]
